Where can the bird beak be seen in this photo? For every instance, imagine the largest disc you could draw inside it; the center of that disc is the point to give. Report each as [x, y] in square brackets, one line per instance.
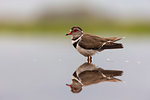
[68, 85]
[68, 34]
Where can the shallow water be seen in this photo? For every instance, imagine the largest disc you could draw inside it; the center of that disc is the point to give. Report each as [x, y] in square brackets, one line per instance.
[38, 69]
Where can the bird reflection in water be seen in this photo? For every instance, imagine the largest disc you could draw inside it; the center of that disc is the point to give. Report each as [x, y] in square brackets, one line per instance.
[88, 74]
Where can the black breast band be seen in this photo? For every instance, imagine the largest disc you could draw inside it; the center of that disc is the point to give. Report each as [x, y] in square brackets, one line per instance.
[75, 75]
[75, 43]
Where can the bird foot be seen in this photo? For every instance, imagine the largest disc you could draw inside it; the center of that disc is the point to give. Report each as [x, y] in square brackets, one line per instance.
[90, 59]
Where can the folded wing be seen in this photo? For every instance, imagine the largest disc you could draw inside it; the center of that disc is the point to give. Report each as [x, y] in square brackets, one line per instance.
[95, 42]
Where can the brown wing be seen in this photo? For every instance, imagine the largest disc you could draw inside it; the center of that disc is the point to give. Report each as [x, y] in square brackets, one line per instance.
[95, 42]
[90, 77]
[91, 41]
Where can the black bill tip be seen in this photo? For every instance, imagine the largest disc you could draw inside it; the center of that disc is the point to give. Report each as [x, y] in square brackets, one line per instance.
[67, 34]
[67, 84]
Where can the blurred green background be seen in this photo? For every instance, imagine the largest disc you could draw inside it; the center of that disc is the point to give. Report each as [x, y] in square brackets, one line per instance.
[50, 17]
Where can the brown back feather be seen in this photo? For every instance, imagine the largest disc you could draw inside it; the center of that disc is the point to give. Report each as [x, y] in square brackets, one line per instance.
[91, 41]
[90, 77]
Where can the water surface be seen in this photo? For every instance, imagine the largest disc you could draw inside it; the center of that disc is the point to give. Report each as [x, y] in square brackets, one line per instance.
[39, 68]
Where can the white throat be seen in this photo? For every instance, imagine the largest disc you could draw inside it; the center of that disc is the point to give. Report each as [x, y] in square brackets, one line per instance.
[73, 41]
[77, 80]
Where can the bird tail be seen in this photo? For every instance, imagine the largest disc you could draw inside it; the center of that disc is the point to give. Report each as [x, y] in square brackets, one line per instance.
[114, 80]
[113, 39]
[112, 73]
[111, 45]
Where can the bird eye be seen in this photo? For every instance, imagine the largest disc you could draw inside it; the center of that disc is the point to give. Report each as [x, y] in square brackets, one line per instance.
[75, 88]
[75, 30]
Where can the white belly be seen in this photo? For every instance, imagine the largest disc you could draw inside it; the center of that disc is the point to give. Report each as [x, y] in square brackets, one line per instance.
[85, 52]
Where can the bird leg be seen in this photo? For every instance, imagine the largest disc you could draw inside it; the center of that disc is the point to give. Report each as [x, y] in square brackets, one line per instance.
[90, 59]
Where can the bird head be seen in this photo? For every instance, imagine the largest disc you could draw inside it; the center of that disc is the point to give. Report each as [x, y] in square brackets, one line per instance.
[74, 89]
[75, 30]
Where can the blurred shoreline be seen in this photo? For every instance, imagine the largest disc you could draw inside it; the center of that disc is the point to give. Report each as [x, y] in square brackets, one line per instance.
[55, 18]
[60, 27]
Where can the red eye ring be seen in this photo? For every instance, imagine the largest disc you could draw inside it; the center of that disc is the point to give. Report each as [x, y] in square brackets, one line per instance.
[75, 88]
[75, 30]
